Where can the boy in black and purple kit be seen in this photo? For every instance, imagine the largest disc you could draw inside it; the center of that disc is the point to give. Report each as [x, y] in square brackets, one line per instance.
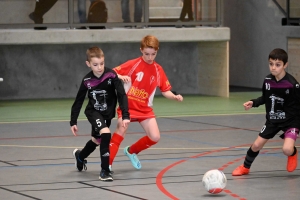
[281, 96]
[104, 89]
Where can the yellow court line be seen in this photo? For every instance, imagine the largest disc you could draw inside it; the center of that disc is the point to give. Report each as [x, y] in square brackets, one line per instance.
[171, 116]
[195, 148]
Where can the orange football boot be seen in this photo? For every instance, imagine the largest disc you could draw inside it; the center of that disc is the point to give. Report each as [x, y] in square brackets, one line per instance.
[240, 170]
[292, 162]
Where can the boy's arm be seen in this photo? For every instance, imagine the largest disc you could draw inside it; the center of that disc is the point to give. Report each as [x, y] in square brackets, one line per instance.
[260, 100]
[257, 102]
[76, 107]
[122, 98]
[173, 96]
[297, 93]
[125, 79]
[122, 71]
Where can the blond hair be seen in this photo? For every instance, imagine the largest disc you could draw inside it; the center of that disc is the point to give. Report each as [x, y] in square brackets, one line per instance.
[94, 52]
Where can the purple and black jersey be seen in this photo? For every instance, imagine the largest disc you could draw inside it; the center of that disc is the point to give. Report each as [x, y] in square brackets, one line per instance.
[281, 99]
[103, 94]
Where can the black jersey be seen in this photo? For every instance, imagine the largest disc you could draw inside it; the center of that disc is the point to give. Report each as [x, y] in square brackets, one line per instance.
[281, 99]
[103, 94]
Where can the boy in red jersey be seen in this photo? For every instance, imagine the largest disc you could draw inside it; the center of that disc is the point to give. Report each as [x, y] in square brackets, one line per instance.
[141, 76]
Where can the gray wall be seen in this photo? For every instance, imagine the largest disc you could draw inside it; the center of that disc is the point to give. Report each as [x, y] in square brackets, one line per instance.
[55, 71]
[255, 31]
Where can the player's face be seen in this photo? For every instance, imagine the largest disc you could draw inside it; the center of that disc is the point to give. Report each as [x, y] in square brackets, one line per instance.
[277, 68]
[149, 55]
[96, 65]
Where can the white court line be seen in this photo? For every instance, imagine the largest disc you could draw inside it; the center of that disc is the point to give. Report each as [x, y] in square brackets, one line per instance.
[171, 116]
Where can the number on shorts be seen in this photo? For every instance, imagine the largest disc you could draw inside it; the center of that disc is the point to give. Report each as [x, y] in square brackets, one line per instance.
[98, 122]
[263, 128]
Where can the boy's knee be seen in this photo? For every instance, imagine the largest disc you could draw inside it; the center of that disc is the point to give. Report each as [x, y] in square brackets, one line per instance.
[120, 130]
[105, 138]
[97, 141]
[256, 147]
[288, 150]
[155, 138]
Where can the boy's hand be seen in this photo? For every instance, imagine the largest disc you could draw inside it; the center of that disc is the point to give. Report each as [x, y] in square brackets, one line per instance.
[178, 97]
[125, 123]
[74, 130]
[125, 79]
[248, 105]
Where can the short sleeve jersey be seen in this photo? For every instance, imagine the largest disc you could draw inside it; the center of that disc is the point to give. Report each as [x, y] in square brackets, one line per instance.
[145, 78]
[281, 99]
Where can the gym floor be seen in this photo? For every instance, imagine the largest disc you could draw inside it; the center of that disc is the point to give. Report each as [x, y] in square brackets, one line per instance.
[198, 134]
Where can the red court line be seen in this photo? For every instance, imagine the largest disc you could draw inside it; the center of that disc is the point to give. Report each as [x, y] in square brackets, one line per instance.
[160, 175]
[236, 160]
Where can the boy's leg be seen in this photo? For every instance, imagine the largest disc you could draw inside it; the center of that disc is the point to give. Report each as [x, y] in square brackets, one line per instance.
[116, 140]
[267, 132]
[252, 153]
[153, 136]
[289, 148]
[81, 155]
[84, 153]
[114, 146]
[245, 168]
[104, 150]
[104, 156]
[142, 144]
[101, 135]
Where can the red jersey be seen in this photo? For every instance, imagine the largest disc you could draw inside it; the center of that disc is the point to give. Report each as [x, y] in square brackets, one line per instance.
[145, 78]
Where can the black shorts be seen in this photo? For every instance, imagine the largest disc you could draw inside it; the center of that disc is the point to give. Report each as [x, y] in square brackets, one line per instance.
[269, 130]
[97, 121]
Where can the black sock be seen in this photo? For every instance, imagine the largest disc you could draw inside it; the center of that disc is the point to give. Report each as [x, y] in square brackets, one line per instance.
[295, 151]
[104, 150]
[87, 150]
[251, 155]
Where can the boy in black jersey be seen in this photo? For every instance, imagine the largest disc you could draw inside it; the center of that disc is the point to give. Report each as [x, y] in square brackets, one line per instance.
[281, 96]
[104, 89]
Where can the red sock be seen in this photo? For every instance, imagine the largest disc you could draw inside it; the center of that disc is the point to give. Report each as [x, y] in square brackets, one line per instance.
[114, 146]
[141, 144]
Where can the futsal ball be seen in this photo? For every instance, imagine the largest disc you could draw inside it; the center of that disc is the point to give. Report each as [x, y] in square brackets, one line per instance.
[214, 181]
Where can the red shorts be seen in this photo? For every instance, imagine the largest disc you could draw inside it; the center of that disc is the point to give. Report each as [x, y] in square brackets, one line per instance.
[136, 116]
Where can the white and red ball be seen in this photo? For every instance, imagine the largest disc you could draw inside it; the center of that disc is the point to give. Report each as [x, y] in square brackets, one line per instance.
[214, 181]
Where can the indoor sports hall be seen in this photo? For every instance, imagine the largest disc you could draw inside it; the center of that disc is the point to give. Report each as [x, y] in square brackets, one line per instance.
[198, 134]
[215, 54]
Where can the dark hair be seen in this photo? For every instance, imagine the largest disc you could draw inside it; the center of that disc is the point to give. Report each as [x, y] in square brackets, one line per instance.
[279, 54]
